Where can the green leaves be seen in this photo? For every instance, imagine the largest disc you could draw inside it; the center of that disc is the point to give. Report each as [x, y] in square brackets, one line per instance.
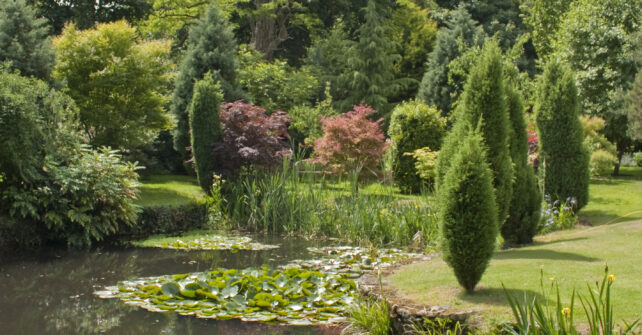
[207, 242]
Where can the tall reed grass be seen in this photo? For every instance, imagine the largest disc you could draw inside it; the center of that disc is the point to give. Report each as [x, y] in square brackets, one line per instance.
[305, 202]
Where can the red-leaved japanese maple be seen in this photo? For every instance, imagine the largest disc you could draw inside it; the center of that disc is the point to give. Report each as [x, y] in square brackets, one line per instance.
[351, 141]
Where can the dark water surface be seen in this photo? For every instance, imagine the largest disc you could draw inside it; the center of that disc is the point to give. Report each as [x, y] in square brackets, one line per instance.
[51, 291]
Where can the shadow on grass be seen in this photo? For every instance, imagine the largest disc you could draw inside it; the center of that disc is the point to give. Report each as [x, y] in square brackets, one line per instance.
[497, 296]
[542, 254]
[560, 241]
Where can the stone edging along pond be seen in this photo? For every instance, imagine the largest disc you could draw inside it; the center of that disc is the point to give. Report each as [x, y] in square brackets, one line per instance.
[402, 311]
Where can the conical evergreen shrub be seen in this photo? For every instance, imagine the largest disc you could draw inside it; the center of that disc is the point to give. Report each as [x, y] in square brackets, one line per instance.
[525, 205]
[205, 128]
[211, 48]
[483, 99]
[563, 156]
[467, 212]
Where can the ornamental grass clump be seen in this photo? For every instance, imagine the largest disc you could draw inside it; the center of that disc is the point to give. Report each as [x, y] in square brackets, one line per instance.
[467, 212]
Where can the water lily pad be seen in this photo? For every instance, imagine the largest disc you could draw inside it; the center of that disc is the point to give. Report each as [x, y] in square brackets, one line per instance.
[205, 242]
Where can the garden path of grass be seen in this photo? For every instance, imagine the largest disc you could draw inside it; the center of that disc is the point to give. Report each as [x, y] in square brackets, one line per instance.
[573, 257]
[169, 190]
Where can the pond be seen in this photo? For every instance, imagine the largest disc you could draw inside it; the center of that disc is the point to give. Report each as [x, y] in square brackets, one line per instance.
[52, 291]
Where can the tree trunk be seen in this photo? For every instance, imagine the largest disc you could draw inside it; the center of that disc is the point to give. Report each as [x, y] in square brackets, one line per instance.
[269, 30]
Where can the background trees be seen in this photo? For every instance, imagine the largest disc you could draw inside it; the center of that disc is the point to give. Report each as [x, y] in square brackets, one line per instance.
[117, 81]
[23, 40]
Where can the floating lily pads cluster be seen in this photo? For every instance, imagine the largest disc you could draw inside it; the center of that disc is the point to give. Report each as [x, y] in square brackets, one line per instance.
[352, 261]
[208, 242]
[293, 295]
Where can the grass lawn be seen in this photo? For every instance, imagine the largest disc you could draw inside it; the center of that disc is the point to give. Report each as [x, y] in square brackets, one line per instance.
[573, 257]
[169, 190]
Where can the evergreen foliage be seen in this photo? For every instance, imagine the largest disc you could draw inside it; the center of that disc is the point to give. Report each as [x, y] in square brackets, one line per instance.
[23, 40]
[211, 48]
[413, 125]
[564, 158]
[205, 128]
[524, 210]
[460, 33]
[467, 212]
[483, 101]
[371, 77]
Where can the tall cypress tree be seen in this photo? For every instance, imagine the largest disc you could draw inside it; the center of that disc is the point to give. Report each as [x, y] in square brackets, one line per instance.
[467, 212]
[524, 210]
[483, 101]
[205, 128]
[434, 88]
[371, 77]
[23, 40]
[211, 48]
[564, 158]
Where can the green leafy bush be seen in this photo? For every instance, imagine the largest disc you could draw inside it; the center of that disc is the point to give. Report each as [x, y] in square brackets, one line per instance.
[637, 157]
[467, 212]
[413, 125]
[425, 162]
[205, 128]
[602, 163]
[168, 220]
[306, 120]
[563, 155]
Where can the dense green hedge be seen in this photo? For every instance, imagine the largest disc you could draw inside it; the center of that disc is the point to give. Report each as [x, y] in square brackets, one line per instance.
[168, 219]
[413, 125]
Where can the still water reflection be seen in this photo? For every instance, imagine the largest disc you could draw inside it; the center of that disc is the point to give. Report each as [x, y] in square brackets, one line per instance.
[51, 291]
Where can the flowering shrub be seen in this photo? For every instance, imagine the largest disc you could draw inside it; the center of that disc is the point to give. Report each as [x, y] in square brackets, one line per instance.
[558, 215]
[533, 146]
[351, 141]
[251, 137]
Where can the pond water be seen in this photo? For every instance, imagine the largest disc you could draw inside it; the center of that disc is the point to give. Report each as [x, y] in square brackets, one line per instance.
[51, 291]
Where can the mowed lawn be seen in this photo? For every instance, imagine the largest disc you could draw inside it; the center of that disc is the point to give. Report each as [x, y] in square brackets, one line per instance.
[169, 190]
[571, 258]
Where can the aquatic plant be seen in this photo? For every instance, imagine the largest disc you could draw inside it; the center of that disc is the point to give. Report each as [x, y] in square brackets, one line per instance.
[205, 242]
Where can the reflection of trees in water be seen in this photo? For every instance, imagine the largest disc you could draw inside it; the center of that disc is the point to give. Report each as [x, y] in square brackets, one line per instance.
[48, 294]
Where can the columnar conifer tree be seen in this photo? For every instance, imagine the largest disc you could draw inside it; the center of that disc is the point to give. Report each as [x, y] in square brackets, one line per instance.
[205, 128]
[211, 48]
[434, 88]
[467, 212]
[524, 210]
[564, 158]
[23, 40]
[483, 100]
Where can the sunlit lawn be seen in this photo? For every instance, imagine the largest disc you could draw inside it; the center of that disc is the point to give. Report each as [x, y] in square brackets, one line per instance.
[573, 258]
[169, 190]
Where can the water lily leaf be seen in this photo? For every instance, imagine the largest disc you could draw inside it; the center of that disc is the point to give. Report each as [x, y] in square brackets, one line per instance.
[170, 289]
[229, 292]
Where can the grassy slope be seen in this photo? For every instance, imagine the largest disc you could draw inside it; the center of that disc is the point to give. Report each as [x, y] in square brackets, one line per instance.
[169, 190]
[572, 257]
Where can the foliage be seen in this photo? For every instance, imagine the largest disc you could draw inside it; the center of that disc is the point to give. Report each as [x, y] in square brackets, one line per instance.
[294, 202]
[533, 315]
[81, 201]
[484, 103]
[596, 39]
[168, 219]
[416, 32]
[275, 85]
[370, 74]
[306, 120]
[117, 81]
[637, 157]
[292, 296]
[351, 142]
[602, 163]
[558, 215]
[440, 326]
[460, 33]
[85, 14]
[524, 209]
[544, 18]
[211, 48]
[204, 242]
[425, 162]
[413, 125]
[205, 128]
[467, 212]
[250, 137]
[631, 105]
[369, 316]
[564, 158]
[23, 40]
